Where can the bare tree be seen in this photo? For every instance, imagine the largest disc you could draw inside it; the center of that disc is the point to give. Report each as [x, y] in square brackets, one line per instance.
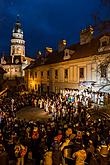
[105, 2]
[102, 72]
[101, 22]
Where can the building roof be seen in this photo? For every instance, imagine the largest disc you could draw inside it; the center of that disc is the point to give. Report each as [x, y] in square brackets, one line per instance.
[79, 51]
[17, 28]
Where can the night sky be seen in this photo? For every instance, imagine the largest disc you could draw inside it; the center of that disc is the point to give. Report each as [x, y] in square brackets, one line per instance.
[45, 22]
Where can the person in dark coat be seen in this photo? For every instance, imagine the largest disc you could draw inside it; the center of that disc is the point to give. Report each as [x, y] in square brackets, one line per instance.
[56, 152]
[103, 157]
[35, 147]
[3, 156]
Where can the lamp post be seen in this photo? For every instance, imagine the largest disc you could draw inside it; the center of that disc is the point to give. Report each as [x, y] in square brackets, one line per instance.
[12, 104]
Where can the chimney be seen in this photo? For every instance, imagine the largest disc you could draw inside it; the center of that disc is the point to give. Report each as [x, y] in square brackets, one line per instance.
[48, 50]
[62, 45]
[86, 35]
[38, 55]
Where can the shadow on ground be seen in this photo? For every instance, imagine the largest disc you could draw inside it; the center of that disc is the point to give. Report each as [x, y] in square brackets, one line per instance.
[32, 113]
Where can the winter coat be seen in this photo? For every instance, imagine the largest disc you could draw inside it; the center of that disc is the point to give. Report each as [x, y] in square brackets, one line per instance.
[102, 160]
[35, 148]
[90, 153]
[56, 157]
[65, 151]
[80, 157]
[48, 158]
[4, 159]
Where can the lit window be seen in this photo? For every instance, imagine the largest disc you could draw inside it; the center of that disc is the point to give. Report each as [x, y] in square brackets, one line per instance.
[56, 74]
[66, 73]
[81, 72]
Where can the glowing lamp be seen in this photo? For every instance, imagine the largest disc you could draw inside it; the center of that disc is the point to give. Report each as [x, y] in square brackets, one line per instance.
[64, 42]
[49, 49]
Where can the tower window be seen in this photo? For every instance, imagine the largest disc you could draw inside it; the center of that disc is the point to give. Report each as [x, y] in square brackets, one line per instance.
[13, 51]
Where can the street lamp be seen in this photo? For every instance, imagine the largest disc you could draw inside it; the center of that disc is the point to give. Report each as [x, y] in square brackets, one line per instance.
[12, 104]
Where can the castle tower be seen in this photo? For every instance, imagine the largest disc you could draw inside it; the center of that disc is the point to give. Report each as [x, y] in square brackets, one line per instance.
[17, 44]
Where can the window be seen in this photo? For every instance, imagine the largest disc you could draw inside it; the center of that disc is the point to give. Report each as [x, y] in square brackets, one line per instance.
[13, 51]
[30, 85]
[56, 74]
[48, 74]
[31, 74]
[104, 43]
[41, 74]
[66, 73]
[16, 70]
[103, 70]
[35, 74]
[66, 53]
[81, 72]
[35, 86]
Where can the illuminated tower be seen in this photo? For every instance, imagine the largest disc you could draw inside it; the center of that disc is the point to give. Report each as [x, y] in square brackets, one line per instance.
[17, 44]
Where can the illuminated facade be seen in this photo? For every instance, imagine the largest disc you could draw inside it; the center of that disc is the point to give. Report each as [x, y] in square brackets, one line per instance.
[17, 44]
[72, 67]
[17, 61]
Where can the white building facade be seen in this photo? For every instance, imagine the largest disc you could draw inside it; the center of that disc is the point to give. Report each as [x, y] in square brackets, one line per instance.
[79, 66]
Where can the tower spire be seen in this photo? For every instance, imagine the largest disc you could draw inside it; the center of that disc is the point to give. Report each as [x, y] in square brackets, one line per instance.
[18, 16]
[17, 43]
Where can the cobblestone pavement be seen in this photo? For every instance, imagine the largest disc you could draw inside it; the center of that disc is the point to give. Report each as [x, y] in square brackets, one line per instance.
[32, 113]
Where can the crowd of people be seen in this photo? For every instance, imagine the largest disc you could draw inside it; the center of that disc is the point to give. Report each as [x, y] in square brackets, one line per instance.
[69, 137]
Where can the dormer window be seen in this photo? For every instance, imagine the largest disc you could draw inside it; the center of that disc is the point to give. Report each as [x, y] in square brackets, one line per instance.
[104, 43]
[68, 53]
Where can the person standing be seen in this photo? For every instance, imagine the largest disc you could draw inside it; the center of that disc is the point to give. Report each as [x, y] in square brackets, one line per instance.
[4, 160]
[80, 156]
[20, 152]
[35, 146]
